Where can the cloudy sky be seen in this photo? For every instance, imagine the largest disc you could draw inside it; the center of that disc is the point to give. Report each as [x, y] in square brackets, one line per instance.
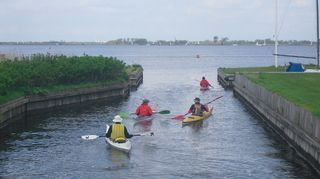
[91, 20]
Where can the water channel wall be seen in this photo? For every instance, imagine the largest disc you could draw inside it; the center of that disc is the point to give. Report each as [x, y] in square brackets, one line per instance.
[23, 107]
[298, 126]
[225, 80]
[135, 80]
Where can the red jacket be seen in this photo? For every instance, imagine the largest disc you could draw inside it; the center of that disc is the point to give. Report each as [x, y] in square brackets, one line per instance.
[204, 83]
[144, 110]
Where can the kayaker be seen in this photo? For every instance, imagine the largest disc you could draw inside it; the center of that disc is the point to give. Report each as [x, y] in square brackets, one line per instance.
[197, 108]
[144, 109]
[204, 83]
[117, 131]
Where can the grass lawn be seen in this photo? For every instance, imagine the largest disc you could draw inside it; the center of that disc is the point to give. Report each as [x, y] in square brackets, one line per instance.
[254, 69]
[302, 89]
[261, 69]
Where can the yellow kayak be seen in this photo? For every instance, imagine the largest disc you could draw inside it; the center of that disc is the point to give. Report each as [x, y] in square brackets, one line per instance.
[193, 118]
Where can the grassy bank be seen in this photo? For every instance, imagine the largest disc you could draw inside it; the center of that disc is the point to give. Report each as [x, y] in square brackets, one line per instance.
[302, 89]
[43, 74]
[261, 69]
[254, 69]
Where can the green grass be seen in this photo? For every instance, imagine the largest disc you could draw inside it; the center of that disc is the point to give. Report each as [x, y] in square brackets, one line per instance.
[254, 69]
[302, 89]
[12, 95]
[42, 74]
[261, 69]
[133, 69]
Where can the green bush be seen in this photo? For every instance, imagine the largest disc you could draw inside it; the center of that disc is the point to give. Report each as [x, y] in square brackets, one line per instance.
[33, 74]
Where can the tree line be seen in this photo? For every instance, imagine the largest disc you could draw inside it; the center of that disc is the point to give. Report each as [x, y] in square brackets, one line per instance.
[142, 41]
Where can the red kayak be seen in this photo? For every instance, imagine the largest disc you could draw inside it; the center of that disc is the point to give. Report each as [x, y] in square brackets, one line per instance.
[204, 88]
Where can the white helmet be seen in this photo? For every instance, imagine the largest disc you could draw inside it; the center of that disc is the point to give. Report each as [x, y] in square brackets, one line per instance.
[117, 118]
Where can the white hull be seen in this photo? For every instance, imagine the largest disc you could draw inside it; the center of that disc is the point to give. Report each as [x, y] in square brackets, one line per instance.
[126, 146]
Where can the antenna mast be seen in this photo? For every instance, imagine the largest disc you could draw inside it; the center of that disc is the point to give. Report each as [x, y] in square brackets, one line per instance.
[276, 36]
[317, 7]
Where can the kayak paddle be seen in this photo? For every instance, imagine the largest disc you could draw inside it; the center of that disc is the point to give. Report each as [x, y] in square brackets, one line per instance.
[144, 134]
[163, 112]
[92, 137]
[181, 117]
[126, 114]
[213, 100]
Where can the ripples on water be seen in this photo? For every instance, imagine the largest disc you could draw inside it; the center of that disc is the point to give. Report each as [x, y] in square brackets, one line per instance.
[233, 143]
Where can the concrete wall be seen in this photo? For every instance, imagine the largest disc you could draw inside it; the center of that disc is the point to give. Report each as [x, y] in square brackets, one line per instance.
[135, 80]
[36, 103]
[297, 125]
[12, 111]
[20, 108]
[225, 80]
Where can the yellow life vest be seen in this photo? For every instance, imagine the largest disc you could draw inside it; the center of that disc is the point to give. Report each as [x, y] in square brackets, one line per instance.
[117, 132]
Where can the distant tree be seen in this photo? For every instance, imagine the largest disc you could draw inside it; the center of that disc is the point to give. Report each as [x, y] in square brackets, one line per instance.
[215, 39]
[224, 40]
[180, 42]
[140, 41]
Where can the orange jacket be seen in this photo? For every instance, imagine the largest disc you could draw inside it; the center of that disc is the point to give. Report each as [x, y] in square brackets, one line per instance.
[144, 110]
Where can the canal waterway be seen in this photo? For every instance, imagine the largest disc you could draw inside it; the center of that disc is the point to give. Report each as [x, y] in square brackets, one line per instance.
[233, 143]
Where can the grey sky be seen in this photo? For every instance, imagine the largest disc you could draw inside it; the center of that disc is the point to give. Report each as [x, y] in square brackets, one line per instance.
[90, 20]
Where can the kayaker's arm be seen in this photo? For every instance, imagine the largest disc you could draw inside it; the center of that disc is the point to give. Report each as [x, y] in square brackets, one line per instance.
[138, 111]
[108, 134]
[150, 111]
[126, 133]
[191, 109]
[205, 108]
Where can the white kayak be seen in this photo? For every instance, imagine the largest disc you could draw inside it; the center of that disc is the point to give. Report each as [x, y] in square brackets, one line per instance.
[125, 146]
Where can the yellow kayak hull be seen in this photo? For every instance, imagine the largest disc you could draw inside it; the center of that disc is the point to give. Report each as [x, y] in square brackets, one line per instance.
[192, 118]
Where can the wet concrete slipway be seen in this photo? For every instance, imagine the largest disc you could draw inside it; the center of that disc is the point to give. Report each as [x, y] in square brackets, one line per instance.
[233, 143]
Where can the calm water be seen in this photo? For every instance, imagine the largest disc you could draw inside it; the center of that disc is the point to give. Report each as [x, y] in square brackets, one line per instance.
[233, 143]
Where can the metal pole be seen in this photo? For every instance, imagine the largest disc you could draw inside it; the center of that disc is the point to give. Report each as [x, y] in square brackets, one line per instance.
[317, 7]
[276, 37]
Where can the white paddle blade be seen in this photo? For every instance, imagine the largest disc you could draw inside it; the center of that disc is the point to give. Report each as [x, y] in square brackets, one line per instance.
[145, 134]
[89, 137]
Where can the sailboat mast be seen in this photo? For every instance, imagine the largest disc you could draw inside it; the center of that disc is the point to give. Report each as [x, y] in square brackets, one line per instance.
[317, 7]
[276, 37]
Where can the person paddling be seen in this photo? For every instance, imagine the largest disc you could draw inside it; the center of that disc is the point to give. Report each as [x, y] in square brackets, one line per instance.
[204, 83]
[118, 132]
[197, 108]
[144, 109]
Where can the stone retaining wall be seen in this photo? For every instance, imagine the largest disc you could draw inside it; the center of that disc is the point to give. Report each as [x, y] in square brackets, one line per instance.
[299, 126]
[20, 108]
[136, 80]
[225, 80]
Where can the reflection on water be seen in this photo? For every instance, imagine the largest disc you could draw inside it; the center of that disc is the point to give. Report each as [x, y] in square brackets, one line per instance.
[196, 126]
[143, 124]
[119, 159]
